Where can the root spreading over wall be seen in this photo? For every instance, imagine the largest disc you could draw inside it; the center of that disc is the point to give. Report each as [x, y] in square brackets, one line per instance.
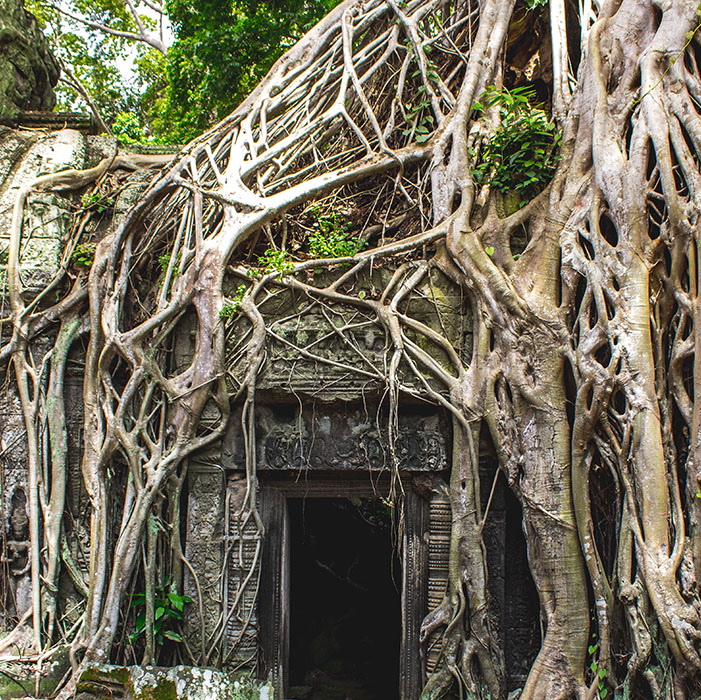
[402, 135]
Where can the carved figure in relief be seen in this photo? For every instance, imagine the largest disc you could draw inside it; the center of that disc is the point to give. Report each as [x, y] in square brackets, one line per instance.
[16, 554]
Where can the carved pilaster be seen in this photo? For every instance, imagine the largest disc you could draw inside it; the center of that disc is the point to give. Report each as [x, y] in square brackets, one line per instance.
[204, 553]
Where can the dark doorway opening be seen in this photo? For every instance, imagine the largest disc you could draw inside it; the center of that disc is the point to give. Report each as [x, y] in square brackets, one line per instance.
[345, 612]
[522, 608]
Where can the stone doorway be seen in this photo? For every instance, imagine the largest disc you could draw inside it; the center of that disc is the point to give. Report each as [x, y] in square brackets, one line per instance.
[345, 600]
[318, 644]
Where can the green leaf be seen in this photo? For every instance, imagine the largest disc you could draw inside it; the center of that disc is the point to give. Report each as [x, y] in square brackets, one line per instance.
[489, 250]
[362, 294]
[592, 648]
[176, 600]
[173, 636]
[603, 693]
[593, 666]
[159, 613]
[602, 672]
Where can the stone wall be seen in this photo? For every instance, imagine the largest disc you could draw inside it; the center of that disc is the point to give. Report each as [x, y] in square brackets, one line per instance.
[28, 70]
[48, 220]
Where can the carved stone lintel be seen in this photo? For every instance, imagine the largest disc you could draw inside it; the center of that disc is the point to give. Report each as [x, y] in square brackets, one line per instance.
[351, 440]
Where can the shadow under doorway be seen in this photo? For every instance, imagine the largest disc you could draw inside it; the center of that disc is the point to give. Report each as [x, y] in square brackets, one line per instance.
[345, 604]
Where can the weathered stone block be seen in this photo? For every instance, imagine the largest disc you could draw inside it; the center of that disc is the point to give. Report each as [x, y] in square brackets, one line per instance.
[19, 679]
[47, 216]
[204, 550]
[28, 70]
[156, 683]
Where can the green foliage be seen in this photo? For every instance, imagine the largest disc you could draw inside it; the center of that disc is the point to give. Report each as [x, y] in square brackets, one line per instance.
[127, 129]
[273, 261]
[164, 261]
[97, 59]
[417, 114]
[522, 154]
[168, 613]
[97, 201]
[599, 673]
[222, 49]
[84, 255]
[331, 237]
[228, 311]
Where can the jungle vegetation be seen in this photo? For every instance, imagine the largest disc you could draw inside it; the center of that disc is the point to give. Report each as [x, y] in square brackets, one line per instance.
[544, 156]
[166, 71]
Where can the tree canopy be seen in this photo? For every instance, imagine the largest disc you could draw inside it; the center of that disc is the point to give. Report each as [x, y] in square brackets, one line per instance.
[167, 72]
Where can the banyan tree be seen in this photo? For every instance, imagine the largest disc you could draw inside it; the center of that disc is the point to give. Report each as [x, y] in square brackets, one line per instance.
[543, 158]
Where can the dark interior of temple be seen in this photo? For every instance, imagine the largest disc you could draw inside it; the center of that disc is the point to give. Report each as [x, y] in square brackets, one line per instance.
[345, 582]
[520, 617]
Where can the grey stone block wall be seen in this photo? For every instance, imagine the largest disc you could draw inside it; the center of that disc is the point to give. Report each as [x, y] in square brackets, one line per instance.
[28, 69]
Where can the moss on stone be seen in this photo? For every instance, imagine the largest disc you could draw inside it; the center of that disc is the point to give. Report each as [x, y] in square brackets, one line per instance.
[165, 689]
[28, 70]
[17, 680]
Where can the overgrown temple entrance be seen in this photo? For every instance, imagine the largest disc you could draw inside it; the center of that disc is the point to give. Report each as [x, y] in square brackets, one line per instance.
[342, 595]
[345, 614]
[348, 547]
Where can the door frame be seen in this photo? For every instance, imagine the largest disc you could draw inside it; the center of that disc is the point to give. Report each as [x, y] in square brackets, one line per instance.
[274, 597]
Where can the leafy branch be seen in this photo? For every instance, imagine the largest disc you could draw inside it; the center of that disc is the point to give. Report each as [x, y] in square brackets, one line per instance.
[523, 152]
[168, 614]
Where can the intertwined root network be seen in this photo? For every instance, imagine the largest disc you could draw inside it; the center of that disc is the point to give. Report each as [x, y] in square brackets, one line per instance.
[373, 131]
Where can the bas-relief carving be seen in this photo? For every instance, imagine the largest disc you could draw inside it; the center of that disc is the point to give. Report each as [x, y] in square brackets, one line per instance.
[242, 542]
[350, 439]
[203, 551]
[337, 354]
[14, 525]
[16, 555]
[333, 368]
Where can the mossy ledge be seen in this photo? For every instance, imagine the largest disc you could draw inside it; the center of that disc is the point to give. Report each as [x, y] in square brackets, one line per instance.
[157, 683]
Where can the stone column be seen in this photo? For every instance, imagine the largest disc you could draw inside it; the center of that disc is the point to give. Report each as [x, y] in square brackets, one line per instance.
[204, 553]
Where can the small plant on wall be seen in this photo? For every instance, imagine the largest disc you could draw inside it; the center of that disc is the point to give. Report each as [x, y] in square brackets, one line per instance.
[84, 255]
[168, 614]
[331, 238]
[522, 153]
